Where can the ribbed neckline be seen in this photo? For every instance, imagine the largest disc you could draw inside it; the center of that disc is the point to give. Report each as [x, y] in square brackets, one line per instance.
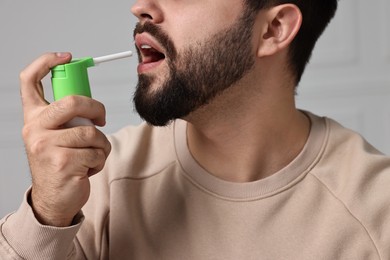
[266, 187]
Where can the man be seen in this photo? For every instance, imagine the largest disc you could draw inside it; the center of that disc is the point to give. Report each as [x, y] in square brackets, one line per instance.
[237, 173]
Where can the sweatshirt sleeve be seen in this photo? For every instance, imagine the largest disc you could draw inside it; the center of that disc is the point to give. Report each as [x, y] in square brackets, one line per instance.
[23, 237]
[359, 177]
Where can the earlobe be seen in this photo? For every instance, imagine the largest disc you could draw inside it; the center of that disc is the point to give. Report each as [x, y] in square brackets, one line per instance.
[281, 25]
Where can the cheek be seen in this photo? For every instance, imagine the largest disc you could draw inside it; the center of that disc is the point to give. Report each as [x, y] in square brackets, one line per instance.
[187, 33]
[189, 27]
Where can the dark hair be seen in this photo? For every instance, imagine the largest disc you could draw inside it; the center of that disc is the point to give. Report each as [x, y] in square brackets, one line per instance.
[316, 16]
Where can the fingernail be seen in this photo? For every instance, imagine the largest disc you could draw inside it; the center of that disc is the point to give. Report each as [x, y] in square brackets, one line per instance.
[62, 54]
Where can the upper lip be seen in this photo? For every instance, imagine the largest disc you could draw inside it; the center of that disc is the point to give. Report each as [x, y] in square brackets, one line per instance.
[146, 39]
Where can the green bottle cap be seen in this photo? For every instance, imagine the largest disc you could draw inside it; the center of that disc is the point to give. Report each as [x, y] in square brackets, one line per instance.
[71, 78]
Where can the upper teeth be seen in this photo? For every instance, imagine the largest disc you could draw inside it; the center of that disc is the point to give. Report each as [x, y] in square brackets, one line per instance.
[145, 46]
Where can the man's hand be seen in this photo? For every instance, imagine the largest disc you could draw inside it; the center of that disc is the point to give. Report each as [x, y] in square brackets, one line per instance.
[61, 159]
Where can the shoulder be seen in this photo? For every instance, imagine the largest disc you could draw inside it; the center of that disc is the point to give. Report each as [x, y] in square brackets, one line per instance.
[358, 176]
[349, 162]
[352, 153]
[140, 151]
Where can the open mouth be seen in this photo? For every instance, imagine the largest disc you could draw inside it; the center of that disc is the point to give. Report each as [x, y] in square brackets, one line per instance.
[150, 54]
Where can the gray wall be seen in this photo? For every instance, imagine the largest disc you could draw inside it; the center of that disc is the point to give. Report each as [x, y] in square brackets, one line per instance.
[348, 78]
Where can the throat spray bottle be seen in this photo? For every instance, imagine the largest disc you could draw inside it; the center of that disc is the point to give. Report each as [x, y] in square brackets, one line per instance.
[72, 79]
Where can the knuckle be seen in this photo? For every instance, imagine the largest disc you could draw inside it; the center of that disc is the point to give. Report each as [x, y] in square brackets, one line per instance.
[27, 131]
[86, 133]
[64, 104]
[100, 155]
[38, 146]
[96, 155]
[24, 76]
[62, 160]
[52, 111]
[91, 132]
[69, 102]
[100, 160]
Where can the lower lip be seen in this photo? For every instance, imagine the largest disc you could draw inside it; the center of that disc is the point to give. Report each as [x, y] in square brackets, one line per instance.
[147, 67]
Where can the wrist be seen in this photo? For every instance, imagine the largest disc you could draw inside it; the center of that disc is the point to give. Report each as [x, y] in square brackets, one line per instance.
[44, 217]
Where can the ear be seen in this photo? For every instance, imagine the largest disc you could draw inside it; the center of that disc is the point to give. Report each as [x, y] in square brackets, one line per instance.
[280, 26]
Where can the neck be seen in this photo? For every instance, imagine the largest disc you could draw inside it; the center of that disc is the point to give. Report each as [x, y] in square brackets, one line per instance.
[256, 135]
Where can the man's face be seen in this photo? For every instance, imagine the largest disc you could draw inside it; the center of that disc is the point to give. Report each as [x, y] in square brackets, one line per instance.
[173, 83]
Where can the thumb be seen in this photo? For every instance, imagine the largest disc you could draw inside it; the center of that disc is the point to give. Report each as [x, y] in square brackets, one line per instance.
[30, 78]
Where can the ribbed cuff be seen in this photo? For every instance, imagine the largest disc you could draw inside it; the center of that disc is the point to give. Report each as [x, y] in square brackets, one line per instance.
[32, 240]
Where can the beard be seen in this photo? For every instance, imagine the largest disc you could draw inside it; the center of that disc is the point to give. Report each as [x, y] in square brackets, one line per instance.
[195, 76]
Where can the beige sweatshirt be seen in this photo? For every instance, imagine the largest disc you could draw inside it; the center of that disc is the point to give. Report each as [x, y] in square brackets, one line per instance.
[153, 201]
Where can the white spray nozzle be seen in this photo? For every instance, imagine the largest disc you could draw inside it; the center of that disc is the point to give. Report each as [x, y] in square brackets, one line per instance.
[111, 57]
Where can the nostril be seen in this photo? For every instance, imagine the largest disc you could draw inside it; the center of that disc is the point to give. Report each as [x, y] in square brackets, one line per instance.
[146, 16]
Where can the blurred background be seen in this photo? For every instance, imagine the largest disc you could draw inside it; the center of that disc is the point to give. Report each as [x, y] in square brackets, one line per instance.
[348, 78]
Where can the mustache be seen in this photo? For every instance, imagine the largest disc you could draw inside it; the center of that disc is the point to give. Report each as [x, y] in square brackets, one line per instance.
[159, 34]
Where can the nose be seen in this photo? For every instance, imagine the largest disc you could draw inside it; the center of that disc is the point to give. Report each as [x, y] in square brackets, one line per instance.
[147, 10]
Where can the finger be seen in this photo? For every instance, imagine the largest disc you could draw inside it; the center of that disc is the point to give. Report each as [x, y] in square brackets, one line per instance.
[87, 161]
[30, 78]
[62, 111]
[70, 163]
[83, 137]
[92, 158]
